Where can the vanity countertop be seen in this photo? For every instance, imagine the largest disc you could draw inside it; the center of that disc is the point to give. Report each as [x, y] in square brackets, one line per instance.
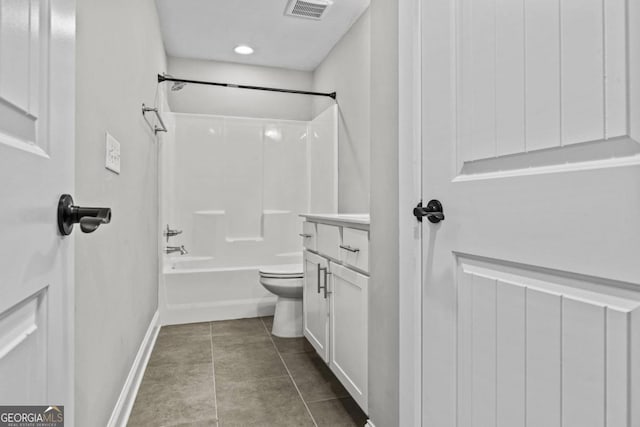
[341, 219]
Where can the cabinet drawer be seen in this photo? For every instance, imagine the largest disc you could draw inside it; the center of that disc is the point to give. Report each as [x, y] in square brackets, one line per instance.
[354, 250]
[328, 240]
[308, 235]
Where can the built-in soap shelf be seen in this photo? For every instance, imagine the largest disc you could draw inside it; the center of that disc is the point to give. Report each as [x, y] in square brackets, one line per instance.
[244, 239]
[277, 234]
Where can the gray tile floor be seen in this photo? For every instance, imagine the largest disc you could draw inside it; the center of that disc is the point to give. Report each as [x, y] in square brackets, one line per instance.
[235, 373]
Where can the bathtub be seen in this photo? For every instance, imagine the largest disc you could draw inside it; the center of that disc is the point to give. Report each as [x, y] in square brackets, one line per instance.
[199, 289]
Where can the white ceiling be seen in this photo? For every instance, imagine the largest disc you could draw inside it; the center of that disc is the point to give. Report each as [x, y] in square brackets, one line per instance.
[210, 29]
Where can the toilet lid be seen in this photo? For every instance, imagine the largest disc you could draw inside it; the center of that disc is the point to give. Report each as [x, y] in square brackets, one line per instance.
[285, 270]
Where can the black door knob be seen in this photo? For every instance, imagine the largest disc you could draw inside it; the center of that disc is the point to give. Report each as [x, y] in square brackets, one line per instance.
[433, 211]
[88, 218]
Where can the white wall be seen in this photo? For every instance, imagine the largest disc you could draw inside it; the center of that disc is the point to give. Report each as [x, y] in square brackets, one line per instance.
[346, 70]
[383, 256]
[224, 101]
[119, 53]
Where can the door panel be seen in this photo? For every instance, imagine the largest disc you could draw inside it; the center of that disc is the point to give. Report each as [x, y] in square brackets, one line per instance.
[541, 347]
[530, 117]
[36, 166]
[23, 344]
[315, 306]
[22, 87]
[520, 89]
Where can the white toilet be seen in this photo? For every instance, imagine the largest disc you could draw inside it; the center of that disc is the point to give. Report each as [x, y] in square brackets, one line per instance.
[285, 281]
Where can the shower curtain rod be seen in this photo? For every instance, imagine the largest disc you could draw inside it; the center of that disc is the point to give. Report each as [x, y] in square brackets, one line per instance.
[162, 78]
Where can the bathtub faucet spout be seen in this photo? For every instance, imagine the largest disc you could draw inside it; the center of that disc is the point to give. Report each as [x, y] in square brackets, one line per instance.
[170, 233]
[172, 249]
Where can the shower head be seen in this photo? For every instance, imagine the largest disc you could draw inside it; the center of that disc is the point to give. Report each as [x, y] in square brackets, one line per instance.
[176, 86]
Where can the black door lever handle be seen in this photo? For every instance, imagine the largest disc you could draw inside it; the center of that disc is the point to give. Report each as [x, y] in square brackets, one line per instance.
[88, 218]
[433, 211]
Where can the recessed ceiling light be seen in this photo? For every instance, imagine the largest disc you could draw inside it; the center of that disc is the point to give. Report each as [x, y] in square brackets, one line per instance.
[243, 49]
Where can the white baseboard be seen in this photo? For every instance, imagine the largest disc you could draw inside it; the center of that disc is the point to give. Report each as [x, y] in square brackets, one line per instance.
[369, 424]
[209, 312]
[122, 410]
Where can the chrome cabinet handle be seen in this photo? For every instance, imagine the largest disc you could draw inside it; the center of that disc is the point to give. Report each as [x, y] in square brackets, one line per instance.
[349, 248]
[326, 273]
[305, 235]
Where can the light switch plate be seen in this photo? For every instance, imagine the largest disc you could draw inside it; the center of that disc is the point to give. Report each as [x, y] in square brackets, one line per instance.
[112, 154]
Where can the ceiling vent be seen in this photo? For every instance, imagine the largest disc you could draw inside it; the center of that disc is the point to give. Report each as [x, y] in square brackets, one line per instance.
[310, 9]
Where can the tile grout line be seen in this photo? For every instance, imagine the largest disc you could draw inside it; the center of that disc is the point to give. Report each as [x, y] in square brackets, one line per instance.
[289, 373]
[213, 370]
[248, 380]
[329, 398]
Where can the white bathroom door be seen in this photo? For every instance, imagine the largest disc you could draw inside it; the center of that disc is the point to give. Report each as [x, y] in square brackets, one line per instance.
[531, 283]
[36, 166]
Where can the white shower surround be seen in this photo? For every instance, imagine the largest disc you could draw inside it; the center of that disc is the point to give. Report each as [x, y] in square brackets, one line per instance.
[235, 186]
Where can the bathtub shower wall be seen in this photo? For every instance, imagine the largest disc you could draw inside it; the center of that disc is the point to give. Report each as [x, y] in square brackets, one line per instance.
[239, 184]
[236, 186]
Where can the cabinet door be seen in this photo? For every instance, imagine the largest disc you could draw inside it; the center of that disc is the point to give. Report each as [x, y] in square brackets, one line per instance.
[349, 329]
[315, 303]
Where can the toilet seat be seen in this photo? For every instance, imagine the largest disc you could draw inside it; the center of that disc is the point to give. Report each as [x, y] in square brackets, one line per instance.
[285, 271]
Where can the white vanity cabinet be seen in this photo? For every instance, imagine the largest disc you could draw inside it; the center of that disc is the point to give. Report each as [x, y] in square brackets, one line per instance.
[336, 298]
